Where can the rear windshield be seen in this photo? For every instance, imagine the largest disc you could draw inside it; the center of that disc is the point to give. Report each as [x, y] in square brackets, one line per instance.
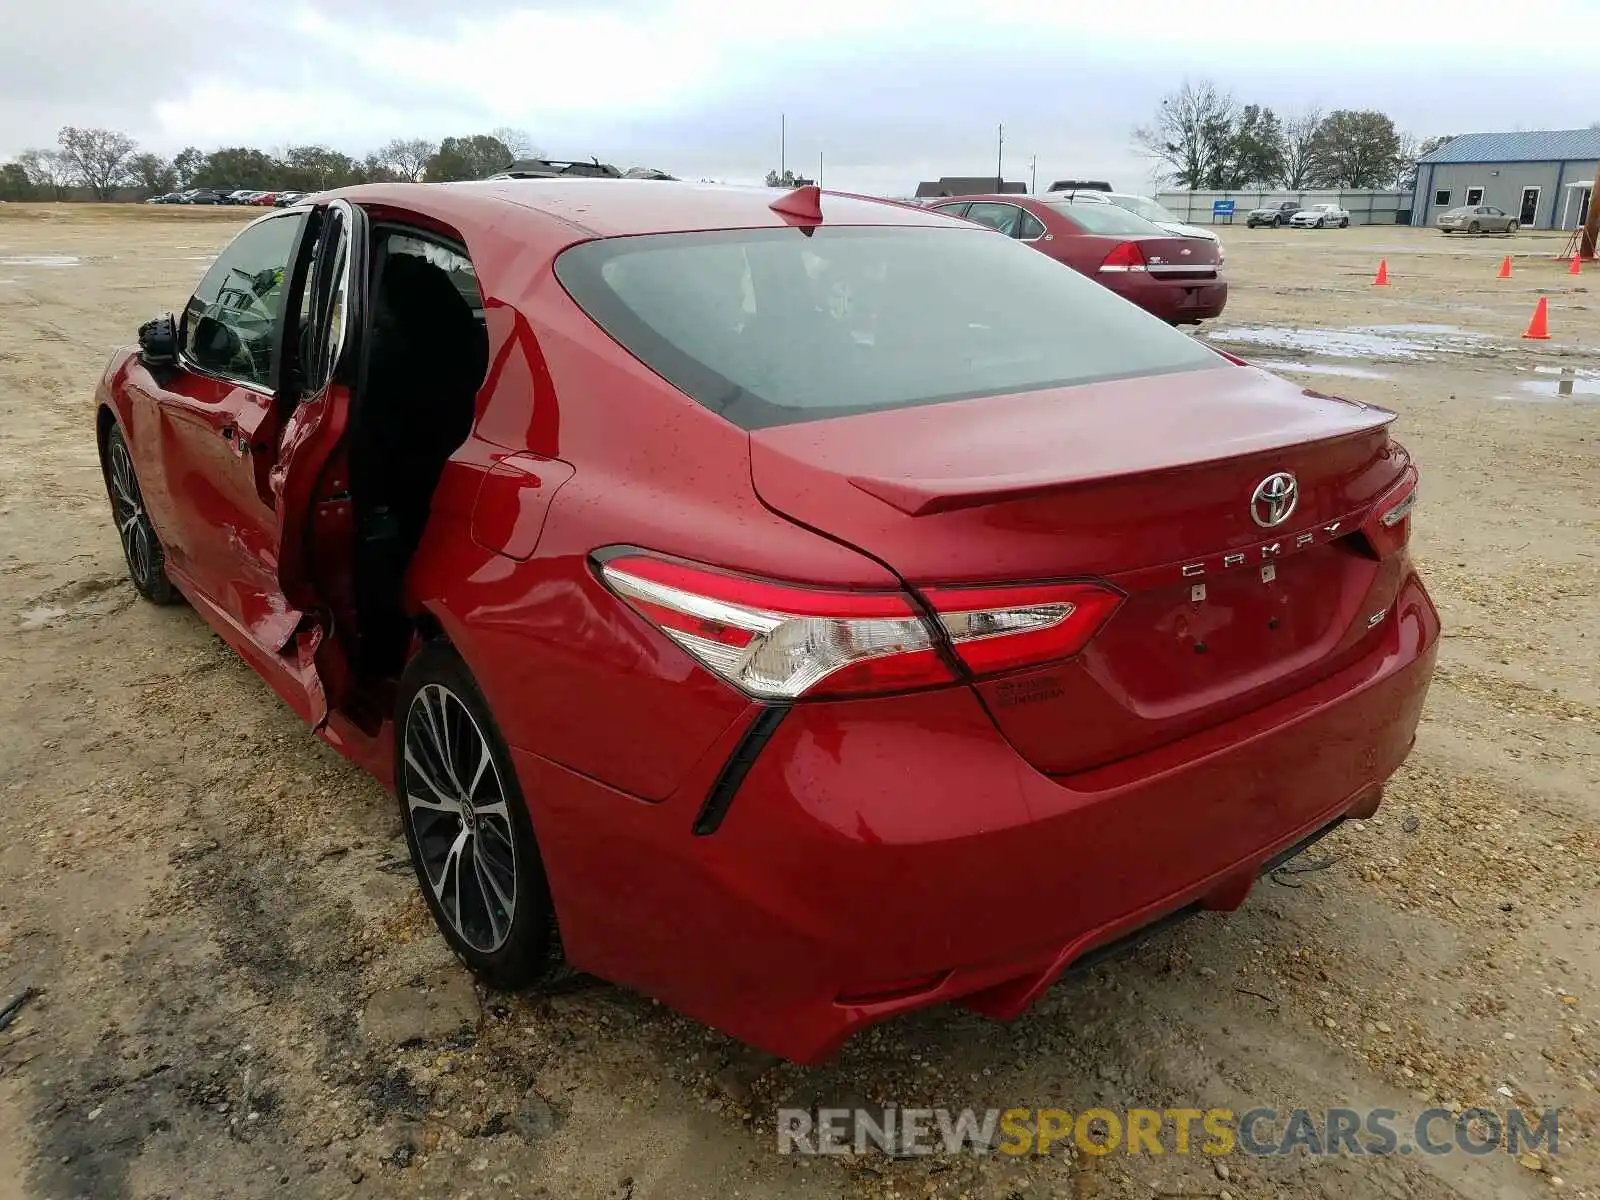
[774, 326]
[1106, 218]
[1142, 207]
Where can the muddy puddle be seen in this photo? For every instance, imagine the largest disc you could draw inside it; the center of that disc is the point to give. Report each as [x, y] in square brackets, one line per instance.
[1417, 342]
[1559, 383]
[39, 260]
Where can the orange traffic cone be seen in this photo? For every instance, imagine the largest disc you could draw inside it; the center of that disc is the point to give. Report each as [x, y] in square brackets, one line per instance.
[1577, 265]
[1505, 268]
[1382, 279]
[1539, 327]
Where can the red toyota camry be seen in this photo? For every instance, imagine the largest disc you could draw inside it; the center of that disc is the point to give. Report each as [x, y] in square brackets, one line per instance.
[802, 611]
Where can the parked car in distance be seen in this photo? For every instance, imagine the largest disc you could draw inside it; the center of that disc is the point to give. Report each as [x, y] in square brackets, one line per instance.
[1158, 214]
[203, 196]
[167, 198]
[1175, 278]
[880, 579]
[1319, 216]
[1273, 214]
[285, 199]
[1480, 218]
[263, 199]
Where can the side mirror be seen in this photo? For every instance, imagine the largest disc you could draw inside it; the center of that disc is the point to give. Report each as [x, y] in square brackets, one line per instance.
[158, 341]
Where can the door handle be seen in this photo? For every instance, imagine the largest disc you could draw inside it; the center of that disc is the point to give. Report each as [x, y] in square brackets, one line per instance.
[227, 433]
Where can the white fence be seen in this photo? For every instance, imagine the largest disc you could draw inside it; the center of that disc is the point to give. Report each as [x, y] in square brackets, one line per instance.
[1365, 207]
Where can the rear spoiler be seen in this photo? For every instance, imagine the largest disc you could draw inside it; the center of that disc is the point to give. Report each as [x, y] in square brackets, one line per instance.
[925, 497]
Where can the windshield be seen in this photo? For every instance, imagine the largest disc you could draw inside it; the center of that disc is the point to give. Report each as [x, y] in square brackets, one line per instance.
[1107, 218]
[774, 326]
[1144, 207]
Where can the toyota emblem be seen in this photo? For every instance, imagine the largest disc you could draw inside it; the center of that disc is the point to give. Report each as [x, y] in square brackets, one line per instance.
[1274, 500]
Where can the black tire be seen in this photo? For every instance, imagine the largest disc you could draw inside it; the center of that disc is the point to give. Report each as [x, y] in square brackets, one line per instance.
[141, 548]
[1277, 222]
[1344, 222]
[1512, 227]
[440, 702]
[1474, 228]
[1321, 223]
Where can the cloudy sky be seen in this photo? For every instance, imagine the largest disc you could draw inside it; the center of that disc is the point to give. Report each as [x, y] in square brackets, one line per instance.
[888, 91]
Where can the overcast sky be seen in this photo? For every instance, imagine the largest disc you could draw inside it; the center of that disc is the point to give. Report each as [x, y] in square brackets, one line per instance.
[889, 91]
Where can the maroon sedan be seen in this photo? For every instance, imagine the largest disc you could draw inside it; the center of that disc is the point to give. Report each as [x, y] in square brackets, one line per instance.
[803, 611]
[1178, 279]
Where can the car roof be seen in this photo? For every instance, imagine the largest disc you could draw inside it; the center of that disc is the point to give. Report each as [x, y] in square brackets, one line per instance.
[621, 207]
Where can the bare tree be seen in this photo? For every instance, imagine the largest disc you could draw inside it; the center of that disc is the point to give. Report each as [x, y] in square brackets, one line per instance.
[1192, 134]
[519, 141]
[408, 156]
[97, 158]
[1405, 171]
[45, 170]
[1300, 149]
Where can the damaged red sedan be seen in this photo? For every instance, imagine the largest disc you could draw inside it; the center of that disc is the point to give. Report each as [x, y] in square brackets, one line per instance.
[801, 611]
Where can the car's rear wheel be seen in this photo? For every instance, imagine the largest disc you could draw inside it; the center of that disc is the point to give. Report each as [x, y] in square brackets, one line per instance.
[468, 829]
[141, 548]
[1277, 222]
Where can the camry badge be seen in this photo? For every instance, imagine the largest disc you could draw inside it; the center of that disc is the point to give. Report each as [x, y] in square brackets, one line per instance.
[1274, 500]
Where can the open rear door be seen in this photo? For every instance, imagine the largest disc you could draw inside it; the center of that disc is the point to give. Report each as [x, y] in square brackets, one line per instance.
[307, 480]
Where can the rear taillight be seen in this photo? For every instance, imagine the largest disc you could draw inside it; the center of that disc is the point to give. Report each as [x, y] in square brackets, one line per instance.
[1002, 628]
[1126, 257]
[776, 641]
[1389, 527]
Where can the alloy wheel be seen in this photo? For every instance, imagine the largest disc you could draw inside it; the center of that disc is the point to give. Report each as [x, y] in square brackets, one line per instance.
[127, 509]
[456, 804]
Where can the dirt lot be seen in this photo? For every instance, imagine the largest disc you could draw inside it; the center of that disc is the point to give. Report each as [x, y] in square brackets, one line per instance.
[242, 995]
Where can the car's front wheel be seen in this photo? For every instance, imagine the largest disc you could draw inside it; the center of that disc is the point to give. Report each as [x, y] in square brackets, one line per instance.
[141, 548]
[1321, 224]
[1344, 222]
[1512, 227]
[467, 827]
[1474, 228]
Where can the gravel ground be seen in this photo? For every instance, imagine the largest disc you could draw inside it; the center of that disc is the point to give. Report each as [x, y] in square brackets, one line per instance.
[240, 993]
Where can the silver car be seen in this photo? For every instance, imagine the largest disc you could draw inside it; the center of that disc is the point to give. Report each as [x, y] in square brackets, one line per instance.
[1479, 218]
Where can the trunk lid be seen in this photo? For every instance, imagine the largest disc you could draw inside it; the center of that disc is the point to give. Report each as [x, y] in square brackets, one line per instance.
[1146, 483]
[1178, 257]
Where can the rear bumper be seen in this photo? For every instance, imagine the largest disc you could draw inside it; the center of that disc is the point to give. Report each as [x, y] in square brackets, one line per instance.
[1177, 301]
[884, 855]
